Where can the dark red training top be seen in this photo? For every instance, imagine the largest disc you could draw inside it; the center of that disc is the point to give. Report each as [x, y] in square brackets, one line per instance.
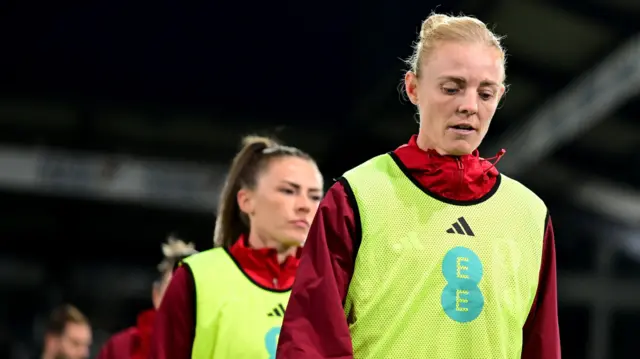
[315, 326]
[321, 332]
[131, 343]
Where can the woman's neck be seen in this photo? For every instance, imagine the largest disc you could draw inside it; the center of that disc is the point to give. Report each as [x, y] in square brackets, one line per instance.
[257, 242]
[424, 143]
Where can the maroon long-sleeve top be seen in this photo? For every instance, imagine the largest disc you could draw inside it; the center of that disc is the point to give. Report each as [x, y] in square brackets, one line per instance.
[315, 326]
[131, 343]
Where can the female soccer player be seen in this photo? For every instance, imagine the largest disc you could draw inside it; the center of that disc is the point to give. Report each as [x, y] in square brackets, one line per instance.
[228, 302]
[134, 342]
[427, 251]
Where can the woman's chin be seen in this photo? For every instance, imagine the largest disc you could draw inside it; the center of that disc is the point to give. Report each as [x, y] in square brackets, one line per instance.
[460, 148]
[294, 241]
[297, 243]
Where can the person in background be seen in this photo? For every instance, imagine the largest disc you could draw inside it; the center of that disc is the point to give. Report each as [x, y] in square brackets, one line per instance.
[134, 342]
[428, 251]
[67, 334]
[228, 302]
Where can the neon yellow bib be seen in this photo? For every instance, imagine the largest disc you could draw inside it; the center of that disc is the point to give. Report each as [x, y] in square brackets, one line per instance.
[438, 279]
[235, 317]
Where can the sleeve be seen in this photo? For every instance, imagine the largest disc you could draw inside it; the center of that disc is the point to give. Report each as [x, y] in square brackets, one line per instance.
[541, 333]
[107, 351]
[117, 346]
[315, 326]
[174, 327]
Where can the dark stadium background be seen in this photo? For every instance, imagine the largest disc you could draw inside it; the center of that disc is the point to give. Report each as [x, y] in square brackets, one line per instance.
[181, 82]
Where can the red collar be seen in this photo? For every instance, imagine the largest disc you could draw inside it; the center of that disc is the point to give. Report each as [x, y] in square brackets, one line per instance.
[462, 178]
[262, 264]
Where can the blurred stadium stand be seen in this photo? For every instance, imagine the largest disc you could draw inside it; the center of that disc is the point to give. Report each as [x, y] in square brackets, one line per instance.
[116, 127]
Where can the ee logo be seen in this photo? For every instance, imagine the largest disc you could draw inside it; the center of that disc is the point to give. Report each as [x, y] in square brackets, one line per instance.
[461, 298]
[271, 341]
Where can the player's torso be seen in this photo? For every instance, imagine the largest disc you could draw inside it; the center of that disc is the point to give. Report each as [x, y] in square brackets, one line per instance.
[248, 326]
[239, 319]
[442, 280]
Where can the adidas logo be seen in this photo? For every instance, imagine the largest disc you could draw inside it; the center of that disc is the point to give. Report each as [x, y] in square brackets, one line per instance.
[461, 227]
[277, 311]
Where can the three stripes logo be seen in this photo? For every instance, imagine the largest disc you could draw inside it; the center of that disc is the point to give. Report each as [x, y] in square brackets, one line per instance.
[277, 311]
[461, 227]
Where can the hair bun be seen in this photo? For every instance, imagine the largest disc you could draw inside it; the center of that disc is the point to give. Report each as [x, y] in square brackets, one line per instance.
[431, 23]
[176, 248]
[174, 251]
[258, 143]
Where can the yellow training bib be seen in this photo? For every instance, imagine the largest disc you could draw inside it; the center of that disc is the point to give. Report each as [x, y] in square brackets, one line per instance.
[235, 317]
[441, 279]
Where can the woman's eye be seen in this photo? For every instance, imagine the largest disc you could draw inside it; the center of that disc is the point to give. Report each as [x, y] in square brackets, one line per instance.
[287, 191]
[486, 95]
[450, 90]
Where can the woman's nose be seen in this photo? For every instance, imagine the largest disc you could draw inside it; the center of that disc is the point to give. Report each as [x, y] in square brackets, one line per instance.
[303, 203]
[469, 104]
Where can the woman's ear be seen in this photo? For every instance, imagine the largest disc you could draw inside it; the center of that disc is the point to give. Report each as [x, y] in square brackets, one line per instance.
[245, 201]
[411, 87]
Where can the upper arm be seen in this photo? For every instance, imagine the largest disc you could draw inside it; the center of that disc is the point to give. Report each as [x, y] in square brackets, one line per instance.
[541, 333]
[334, 237]
[314, 325]
[175, 320]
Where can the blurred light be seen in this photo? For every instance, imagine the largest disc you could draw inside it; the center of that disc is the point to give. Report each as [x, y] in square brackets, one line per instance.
[172, 184]
[575, 109]
[616, 201]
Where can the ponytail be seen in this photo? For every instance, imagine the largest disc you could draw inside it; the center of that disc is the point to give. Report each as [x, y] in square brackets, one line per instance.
[247, 164]
[174, 251]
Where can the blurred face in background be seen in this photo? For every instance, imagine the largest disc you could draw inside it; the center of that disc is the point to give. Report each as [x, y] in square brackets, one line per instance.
[457, 94]
[160, 287]
[74, 343]
[282, 205]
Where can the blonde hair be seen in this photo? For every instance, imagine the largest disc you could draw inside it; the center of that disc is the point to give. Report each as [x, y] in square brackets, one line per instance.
[249, 162]
[174, 250]
[439, 28]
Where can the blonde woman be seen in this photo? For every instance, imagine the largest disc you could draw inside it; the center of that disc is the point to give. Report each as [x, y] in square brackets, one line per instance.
[134, 342]
[428, 250]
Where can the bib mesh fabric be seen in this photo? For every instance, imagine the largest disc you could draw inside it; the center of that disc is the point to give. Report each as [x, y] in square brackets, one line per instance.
[441, 280]
[235, 318]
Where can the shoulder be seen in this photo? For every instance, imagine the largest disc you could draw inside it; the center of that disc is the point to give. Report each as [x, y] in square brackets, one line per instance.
[337, 191]
[518, 186]
[182, 281]
[120, 341]
[338, 202]
[372, 173]
[376, 163]
[125, 335]
[203, 254]
[522, 192]
[204, 257]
